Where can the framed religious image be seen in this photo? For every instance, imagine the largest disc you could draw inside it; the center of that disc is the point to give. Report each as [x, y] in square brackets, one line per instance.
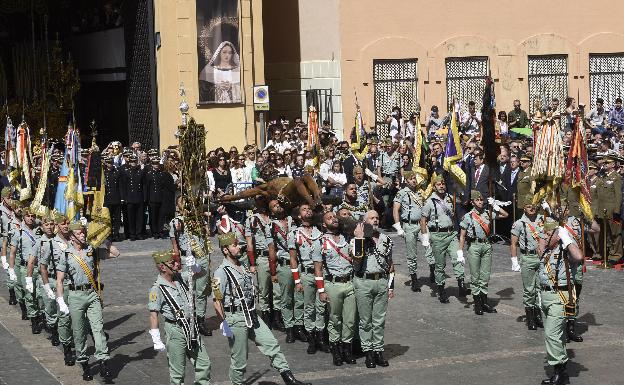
[218, 50]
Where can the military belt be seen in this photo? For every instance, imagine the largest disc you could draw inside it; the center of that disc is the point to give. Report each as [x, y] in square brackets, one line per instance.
[414, 222]
[527, 251]
[478, 240]
[263, 253]
[282, 262]
[442, 229]
[85, 287]
[372, 276]
[171, 321]
[232, 309]
[338, 279]
[553, 288]
[309, 270]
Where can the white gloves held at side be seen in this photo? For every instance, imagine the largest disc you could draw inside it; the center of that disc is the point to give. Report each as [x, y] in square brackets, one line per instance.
[424, 239]
[62, 306]
[12, 275]
[29, 285]
[460, 257]
[5, 264]
[514, 264]
[48, 291]
[399, 229]
[159, 346]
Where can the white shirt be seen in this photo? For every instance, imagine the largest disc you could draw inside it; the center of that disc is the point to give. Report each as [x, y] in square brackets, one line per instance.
[241, 179]
[279, 146]
[474, 125]
[210, 181]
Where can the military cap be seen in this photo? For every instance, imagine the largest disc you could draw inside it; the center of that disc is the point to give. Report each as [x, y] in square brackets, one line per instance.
[437, 178]
[525, 158]
[475, 194]
[527, 200]
[593, 165]
[550, 224]
[155, 160]
[26, 210]
[226, 239]
[611, 156]
[408, 174]
[162, 256]
[357, 168]
[59, 218]
[76, 226]
[133, 158]
[6, 192]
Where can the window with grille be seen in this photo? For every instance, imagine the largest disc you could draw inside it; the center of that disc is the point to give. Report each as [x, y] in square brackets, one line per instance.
[396, 84]
[548, 79]
[465, 80]
[606, 78]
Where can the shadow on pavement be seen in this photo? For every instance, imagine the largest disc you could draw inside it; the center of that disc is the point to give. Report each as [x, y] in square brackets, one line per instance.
[110, 325]
[394, 350]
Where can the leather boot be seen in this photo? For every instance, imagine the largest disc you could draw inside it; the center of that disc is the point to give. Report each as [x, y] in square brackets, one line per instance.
[266, 317]
[54, 337]
[290, 335]
[336, 354]
[462, 287]
[478, 306]
[380, 359]
[537, 312]
[370, 360]
[570, 328]
[34, 326]
[347, 353]
[415, 285]
[12, 299]
[289, 379]
[320, 342]
[486, 306]
[22, 306]
[278, 322]
[105, 371]
[201, 326]
[86, 372]
[432, 273]
[311, 343]
[300, 333]
[559, 377]
[530, 318]
[442, 296]
[68, 355]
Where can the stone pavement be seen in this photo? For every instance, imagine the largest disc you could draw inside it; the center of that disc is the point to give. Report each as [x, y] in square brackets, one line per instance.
[426, 342]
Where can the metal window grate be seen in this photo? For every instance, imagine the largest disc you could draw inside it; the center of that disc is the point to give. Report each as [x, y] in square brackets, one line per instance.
[396, 84]
[465, 80]
[548, 78]
[606, 78]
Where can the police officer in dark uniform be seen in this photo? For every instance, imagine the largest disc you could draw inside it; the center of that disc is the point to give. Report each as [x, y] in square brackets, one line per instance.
[132, 194]
[112, 197]
[153, 191]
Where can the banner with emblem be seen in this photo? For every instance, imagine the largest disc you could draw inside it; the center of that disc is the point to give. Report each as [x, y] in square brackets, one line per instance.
[577, 166]
[453, 151]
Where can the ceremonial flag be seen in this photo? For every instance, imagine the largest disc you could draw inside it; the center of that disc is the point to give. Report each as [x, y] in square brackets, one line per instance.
[453, 151]
[37, 205]
[100, 226]
[73, 190]
[24, 161]
[359, 148]
[576, 174]
[60, 204]
[488, 116]
[421, 151]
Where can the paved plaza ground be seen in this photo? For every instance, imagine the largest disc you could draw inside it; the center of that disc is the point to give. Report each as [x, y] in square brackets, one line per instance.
[426, 342]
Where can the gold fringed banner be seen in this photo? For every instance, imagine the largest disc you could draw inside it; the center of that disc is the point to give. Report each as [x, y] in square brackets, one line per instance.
[100, 225]
[36, 205]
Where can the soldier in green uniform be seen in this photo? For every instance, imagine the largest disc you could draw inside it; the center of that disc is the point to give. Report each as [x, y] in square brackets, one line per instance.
[559, 252]
[437, 229]
[525, 235]
[50, 254]
[170, 297]
[303, 244]
[373, 284]
[334, 274]
[228, 224]
[84, 304]
[6, 220]
[258, 237]
[609, 199]
[279, 264]
[23, 242]
[234, 304]
[475, 230]
[388, 168]
[525, 182]
[351, 203]
[406, 211]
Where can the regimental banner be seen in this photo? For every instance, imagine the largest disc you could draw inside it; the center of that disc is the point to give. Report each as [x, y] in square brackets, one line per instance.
[218, 50]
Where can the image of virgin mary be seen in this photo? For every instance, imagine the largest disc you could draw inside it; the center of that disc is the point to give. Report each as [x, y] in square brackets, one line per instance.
[219, 80]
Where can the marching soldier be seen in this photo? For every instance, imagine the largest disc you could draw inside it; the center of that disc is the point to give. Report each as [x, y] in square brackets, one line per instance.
[170, 297]
[352, 203]
[373, 284]
[475, 229]
[23, 244]
[559, 252]
[234, 304]
[303, 244]
[333, 276]
[279, 264]
[525, 235]
[50, 254]
[407, 213]
[84, 303]
[437, 229]
[132, 195]
[6, 227]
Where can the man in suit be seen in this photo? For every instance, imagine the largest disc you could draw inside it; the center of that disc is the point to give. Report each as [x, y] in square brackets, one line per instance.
[479, 177]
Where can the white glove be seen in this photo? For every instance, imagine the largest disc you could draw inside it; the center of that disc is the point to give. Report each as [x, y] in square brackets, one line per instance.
[496, 207]
[156, 340]
[29, 285]
[62, 306]
[12, 275]
[491, 201]
[5, 264]
[565, 237]
[399, 229]
[192, 264]
[424, 239]
[514, 264]
[460, 257]
[225, 329]
[371, 174]
[48, 291]
[545, 206]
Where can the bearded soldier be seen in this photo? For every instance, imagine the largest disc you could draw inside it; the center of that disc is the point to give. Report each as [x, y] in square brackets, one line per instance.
[6, 222]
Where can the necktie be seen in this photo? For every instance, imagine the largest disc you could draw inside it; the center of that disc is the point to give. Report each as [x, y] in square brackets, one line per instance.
[477, 175]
